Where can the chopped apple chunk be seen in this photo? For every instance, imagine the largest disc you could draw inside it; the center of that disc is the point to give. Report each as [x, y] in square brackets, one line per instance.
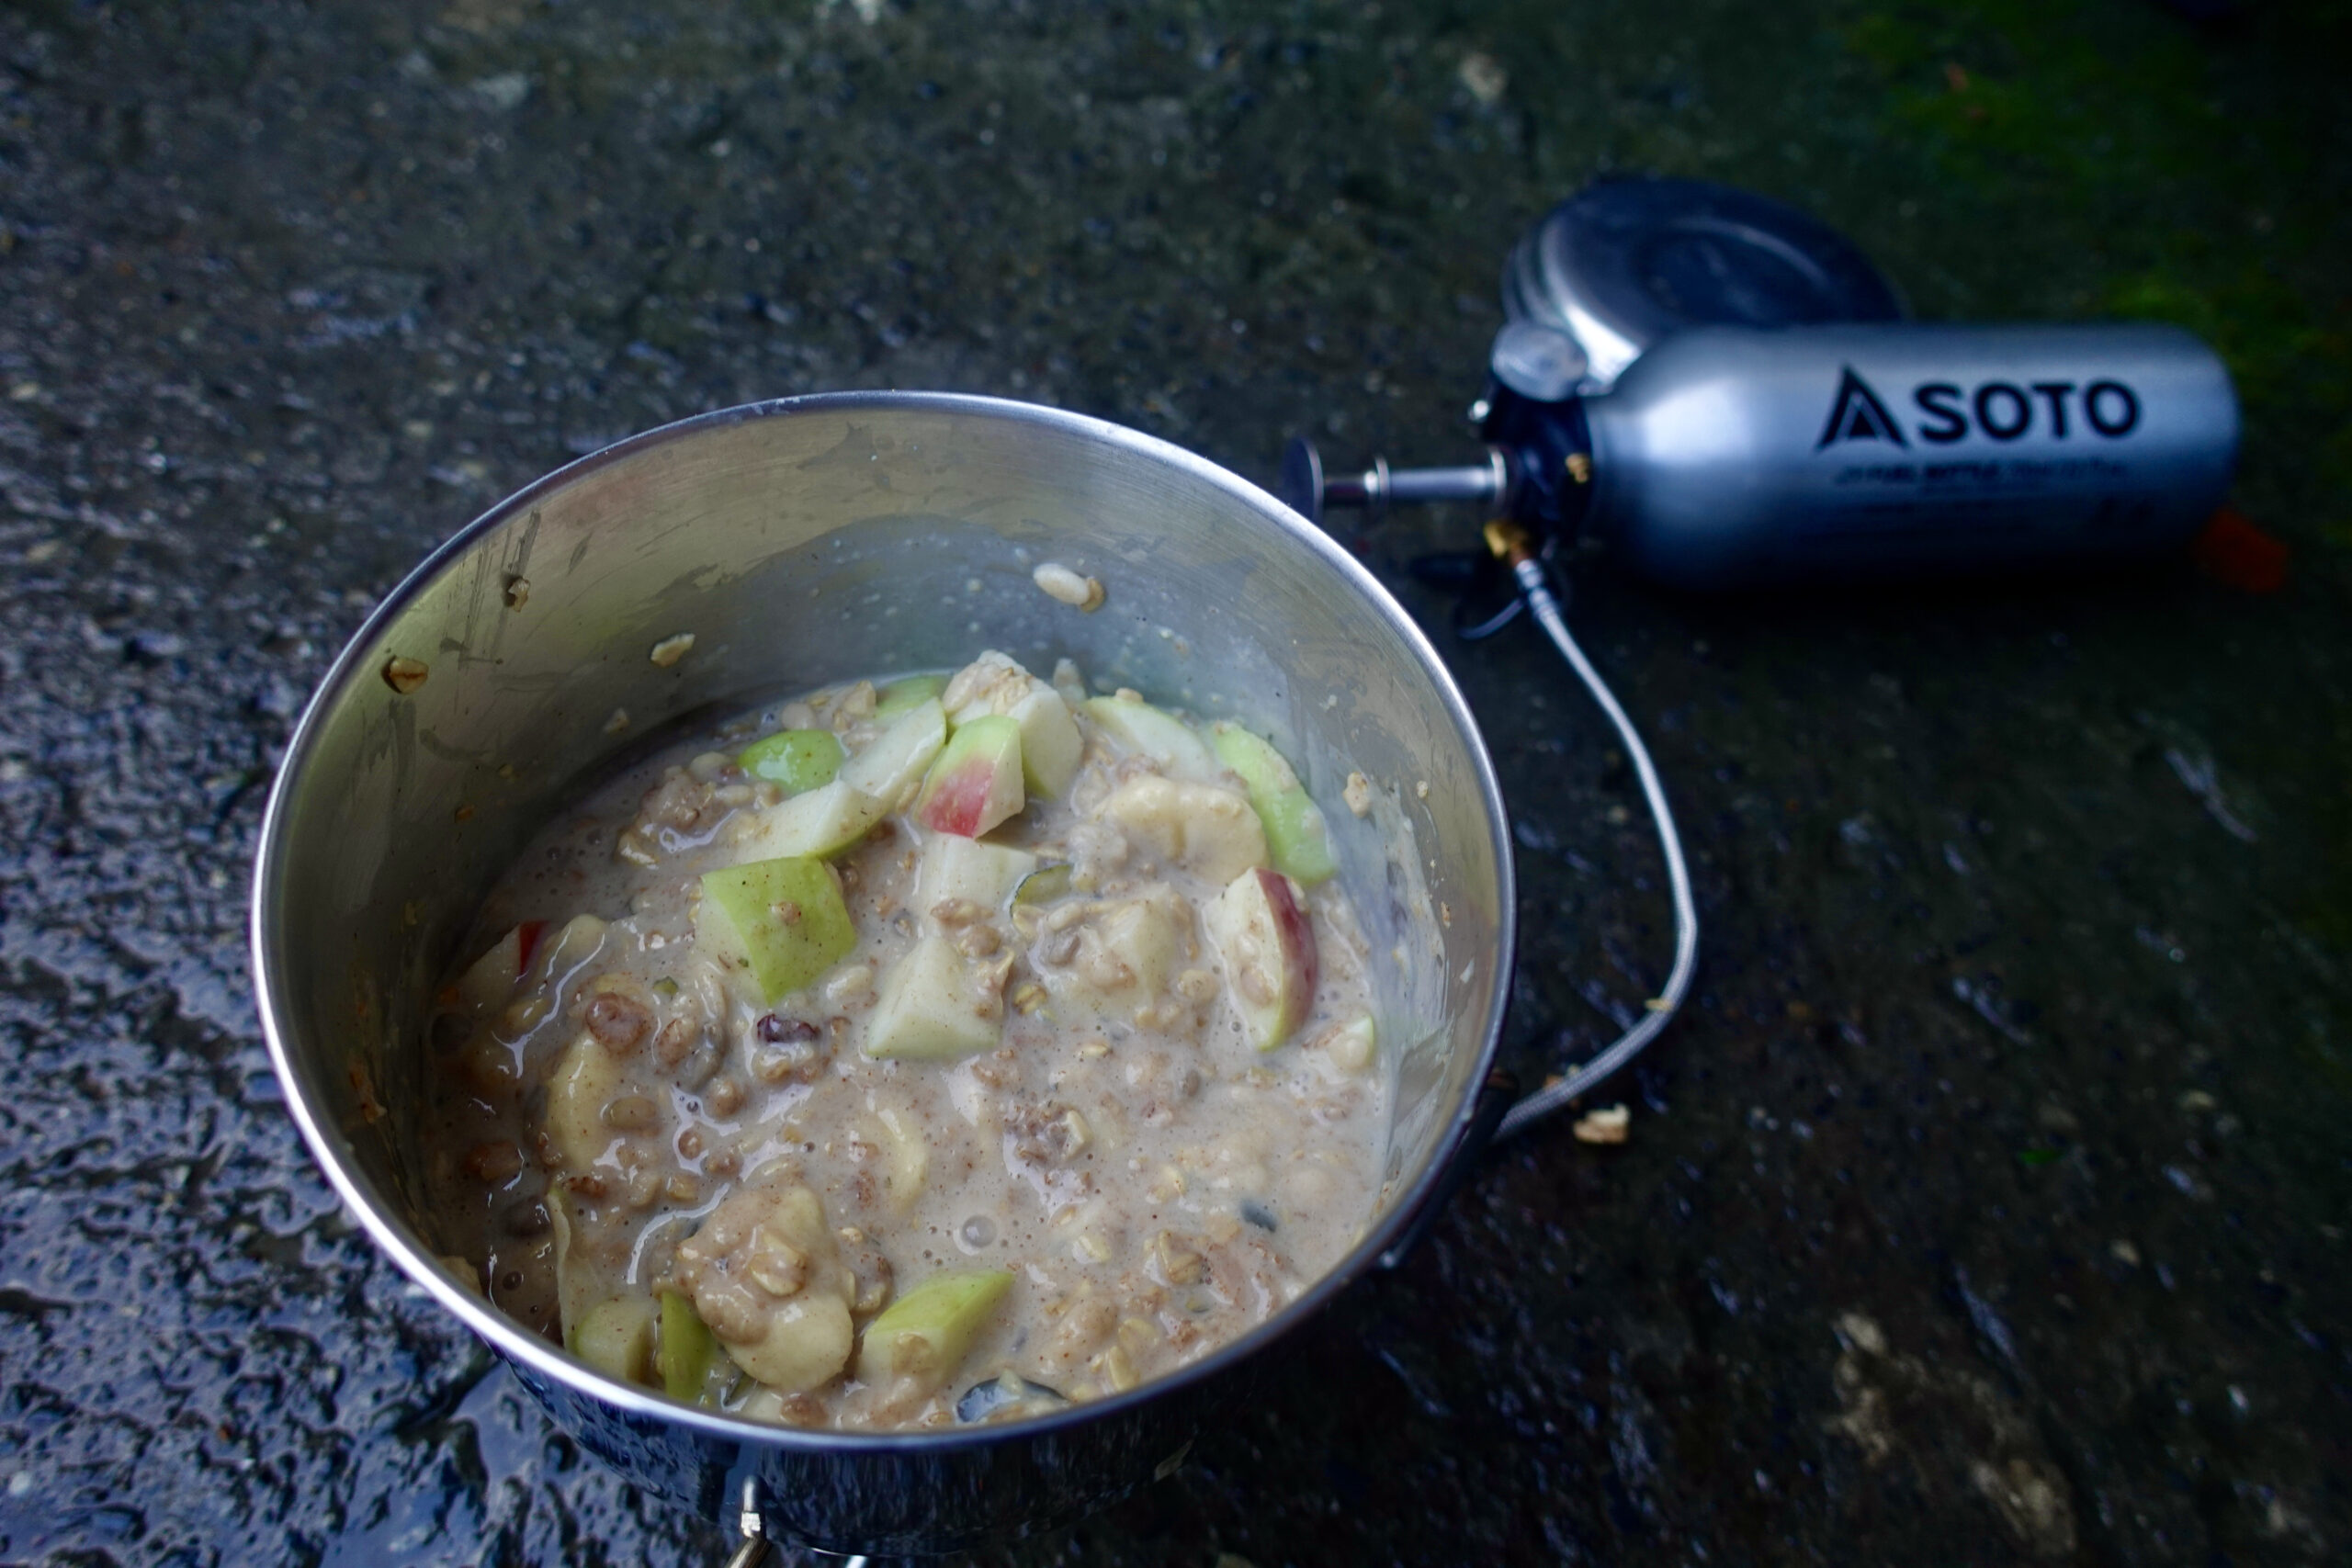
[906, 1157]
[616, 1338]
[1266, 942]
[684, 1355]
[1205, 829]
[1050, 744]
[796, 761]
[893, 762]
[904, 696]
[917, 1345]
[1139, 727]
[975, 781]
[587, 1077]
[1295, 833]
[492, 978]
[935, 1007]
[824, 822]
[982, 876]
[1123, 951]
[779, 922]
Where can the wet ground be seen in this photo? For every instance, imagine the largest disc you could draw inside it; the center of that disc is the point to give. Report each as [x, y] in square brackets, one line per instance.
[1989, 1203]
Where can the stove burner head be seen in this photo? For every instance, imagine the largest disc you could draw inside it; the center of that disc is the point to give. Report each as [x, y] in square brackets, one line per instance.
[1624, 263]
[1539, 363]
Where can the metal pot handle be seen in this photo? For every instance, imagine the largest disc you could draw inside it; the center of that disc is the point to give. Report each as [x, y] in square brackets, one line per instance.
[1500, 1113]
[1514, 547]
[1495, 1098]
[758, 1549]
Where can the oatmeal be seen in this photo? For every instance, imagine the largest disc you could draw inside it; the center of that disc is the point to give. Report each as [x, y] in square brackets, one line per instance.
[897, 1057]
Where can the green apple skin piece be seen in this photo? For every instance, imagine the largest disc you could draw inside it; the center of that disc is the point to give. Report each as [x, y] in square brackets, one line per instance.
[930, 1008]
[1295, 833]
[616, 1338]
[1266, 940]
[1163, 736]
[795, 759]
[577, 1294]
[687, 1350]
[903, 696]
[1044, 885]
[1252, 756]
[975, 782]
[1298, 838]
[1207, 828]
[964, 868]
[825, 821]
[917, 1344]
[781, 920]
[893, 761]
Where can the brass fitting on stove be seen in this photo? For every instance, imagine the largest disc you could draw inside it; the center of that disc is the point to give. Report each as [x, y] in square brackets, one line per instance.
[1509, 541]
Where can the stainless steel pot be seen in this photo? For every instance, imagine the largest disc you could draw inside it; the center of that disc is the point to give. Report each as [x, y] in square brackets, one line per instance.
[802, 542]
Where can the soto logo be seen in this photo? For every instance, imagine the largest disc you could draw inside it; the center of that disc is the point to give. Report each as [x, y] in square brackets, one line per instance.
[1999, 410]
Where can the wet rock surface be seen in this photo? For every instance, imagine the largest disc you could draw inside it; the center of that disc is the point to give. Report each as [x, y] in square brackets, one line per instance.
[1987, 1206]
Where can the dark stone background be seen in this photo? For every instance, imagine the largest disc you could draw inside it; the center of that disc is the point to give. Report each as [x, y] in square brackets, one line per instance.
[1987, 1206]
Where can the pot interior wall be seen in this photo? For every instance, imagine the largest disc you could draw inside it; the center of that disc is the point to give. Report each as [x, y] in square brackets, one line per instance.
[800, 544]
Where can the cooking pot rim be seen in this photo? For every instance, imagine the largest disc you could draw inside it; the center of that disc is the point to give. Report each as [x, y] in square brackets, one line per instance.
[392, 1233]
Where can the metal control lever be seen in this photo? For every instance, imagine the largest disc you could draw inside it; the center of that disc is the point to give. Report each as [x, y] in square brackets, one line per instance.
[1304, 489]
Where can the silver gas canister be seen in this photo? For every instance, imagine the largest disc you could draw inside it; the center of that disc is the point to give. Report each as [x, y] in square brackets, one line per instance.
[1725, 390]
[1754, 408]
[1728, 456]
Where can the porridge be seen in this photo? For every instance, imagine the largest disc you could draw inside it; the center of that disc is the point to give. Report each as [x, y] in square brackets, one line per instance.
[946, 1051]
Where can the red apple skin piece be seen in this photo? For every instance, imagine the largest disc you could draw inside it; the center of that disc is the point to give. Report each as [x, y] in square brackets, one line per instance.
[1266, 942]
[490, 978]
[1296, 934]
[526, 945]
[976, 784]
[956, 806]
